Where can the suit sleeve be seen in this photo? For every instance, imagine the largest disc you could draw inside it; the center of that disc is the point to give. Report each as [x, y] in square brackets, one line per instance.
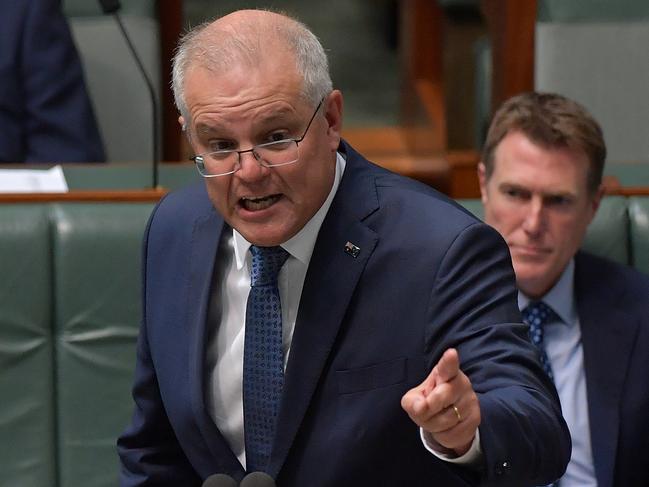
[59, 124]
[149, 451]
[524, 438]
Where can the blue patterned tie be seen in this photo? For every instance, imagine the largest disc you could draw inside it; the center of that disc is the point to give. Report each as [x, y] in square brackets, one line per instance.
[263, 359]
[537, 315]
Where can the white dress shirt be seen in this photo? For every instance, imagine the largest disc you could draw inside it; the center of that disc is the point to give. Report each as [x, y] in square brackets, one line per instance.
[562, 339]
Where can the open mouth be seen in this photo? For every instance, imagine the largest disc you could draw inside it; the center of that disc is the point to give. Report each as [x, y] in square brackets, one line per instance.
[257, 204]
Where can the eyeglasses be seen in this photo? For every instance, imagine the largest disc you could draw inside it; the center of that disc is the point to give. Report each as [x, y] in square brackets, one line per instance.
[271, 154]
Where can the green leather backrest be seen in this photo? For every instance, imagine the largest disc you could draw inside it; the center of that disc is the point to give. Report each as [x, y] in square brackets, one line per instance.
[639, 216]
[26, 367]
[97, 294]
[607, 235]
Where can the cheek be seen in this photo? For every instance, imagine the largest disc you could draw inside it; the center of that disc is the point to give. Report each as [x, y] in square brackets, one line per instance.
[313, 180]
[570, 228]
[570, 237]
[218, 192]
[505, 220]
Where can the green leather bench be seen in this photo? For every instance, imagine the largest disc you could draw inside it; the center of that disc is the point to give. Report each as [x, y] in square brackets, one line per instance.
[69, 315]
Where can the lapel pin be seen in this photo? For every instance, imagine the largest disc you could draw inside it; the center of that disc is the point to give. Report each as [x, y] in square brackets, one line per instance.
[352, 249]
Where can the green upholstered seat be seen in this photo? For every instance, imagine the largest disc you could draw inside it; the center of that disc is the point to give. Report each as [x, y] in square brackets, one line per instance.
[96, 249]
[608, 233]
[639, 227]
[26, 365]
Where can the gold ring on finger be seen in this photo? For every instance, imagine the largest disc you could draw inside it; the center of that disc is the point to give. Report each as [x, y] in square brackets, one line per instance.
[457, 413]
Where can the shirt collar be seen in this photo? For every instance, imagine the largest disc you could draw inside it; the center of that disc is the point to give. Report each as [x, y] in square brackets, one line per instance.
[560, 297]
[301, 244]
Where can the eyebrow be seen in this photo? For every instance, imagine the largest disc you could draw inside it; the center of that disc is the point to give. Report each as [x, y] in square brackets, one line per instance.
[263, 119]
[544, 194]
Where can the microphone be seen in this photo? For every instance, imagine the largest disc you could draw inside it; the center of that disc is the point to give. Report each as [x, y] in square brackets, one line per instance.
[112, 7]
[219, 480]
[257, 479]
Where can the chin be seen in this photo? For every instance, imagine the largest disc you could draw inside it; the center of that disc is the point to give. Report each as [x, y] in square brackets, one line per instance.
[530, 281]
[266, 239]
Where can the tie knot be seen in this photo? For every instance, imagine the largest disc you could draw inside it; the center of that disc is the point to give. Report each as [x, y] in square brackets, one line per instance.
[538, 314]
[266, 263]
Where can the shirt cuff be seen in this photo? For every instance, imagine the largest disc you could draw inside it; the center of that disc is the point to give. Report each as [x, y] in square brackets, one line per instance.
[472, 457]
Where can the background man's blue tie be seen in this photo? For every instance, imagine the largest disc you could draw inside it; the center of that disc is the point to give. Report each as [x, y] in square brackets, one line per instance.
[263, 359]
[537, 315]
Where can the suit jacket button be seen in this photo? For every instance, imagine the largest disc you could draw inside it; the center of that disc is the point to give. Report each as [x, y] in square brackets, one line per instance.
[502, 468]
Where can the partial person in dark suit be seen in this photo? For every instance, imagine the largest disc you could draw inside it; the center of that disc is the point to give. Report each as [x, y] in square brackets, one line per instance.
[541, 186]
[387, 349]
[45, 113]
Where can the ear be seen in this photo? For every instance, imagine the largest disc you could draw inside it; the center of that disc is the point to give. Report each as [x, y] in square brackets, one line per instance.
[184, 128]
[482, 179]
[333, 108]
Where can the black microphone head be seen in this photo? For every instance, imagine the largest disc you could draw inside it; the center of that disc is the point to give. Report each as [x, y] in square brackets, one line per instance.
[110, 6]
[219, 480]
[257, 479]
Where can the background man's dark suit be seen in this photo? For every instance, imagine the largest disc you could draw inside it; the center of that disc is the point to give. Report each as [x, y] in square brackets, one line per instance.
[45, 114]
[428, 277]
[612, 303]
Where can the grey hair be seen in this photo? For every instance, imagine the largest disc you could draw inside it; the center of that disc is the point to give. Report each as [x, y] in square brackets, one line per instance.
[216, 49]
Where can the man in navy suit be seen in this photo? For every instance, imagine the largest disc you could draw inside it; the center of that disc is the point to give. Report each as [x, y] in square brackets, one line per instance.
[45, 113]
[400, 354]
[541, 186]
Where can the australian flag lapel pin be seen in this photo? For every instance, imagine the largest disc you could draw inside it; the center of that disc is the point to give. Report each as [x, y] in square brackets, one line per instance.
[352, 249]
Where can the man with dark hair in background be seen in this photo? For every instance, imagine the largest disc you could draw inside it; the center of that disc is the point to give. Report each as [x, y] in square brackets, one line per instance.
[540, 179]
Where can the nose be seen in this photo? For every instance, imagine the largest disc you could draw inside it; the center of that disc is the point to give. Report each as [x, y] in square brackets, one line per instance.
[534, 221]
[249, 168]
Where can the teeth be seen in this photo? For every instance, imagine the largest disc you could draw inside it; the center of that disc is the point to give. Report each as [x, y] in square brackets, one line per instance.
[256, 204]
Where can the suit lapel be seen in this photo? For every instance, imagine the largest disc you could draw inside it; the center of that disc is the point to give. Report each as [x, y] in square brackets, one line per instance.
[330, 282]
[605, 367]
[205, 242]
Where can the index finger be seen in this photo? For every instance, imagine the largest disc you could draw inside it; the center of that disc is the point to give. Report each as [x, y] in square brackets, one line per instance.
[448, 366]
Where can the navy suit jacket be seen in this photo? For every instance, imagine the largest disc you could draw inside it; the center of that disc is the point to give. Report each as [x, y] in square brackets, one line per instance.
[45, 113]
[613, 307]
[428, 276]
